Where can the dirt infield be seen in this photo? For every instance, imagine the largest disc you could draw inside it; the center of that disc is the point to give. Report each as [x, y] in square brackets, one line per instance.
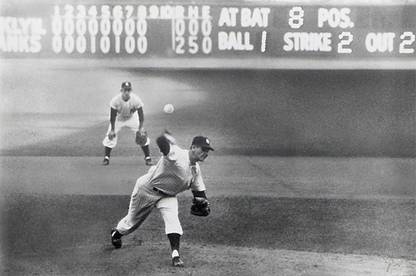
[317, 219]
[67, 235]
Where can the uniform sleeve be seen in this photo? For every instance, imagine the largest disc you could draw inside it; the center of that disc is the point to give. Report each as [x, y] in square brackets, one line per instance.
[114, 103]
[198, 184]
[175, 152]
[137, 102]
[163, 144]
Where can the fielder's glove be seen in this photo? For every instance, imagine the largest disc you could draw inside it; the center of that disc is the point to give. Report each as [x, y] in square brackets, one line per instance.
[200, 207]
[141, 137]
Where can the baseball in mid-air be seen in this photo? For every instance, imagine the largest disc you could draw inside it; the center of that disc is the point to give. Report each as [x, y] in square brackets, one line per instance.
[168, 108]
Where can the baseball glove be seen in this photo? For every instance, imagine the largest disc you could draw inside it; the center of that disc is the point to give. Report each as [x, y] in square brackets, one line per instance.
[141, 137]
[200, 207]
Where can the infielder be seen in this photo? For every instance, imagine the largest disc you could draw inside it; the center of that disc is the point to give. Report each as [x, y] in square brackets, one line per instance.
[176, 171]
[123, 107]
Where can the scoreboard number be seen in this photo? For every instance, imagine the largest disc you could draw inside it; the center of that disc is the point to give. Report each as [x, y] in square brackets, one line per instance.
[345, 41]
[408, 38]
[296, 17]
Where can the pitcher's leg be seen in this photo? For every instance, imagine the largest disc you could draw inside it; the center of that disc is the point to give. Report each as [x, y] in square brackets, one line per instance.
[133, 220]
[169, 209]
[141, 205]
[129, 223]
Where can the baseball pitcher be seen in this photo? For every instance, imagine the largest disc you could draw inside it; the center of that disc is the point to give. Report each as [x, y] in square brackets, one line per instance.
[123, 108]
[177, 170]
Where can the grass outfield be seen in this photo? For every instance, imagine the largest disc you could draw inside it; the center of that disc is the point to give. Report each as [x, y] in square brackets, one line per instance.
[64, 111]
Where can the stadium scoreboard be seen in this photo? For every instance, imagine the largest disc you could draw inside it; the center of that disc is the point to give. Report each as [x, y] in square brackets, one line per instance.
[208, 30]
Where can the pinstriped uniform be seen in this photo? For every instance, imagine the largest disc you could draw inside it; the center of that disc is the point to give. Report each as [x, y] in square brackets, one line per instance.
[125, 118]
[126, 109]
[158, 188]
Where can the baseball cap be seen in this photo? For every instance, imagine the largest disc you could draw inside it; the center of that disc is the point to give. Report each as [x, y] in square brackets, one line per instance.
[202, 141]
[126, 85]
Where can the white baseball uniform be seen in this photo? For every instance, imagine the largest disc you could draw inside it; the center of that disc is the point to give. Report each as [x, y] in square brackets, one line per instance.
[158, 188]
[125, 118]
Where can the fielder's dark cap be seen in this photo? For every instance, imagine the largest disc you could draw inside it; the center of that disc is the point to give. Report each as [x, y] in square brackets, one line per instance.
[126, 85]
[203, 142]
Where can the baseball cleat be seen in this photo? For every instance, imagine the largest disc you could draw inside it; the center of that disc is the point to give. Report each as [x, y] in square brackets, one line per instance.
[106, 161]
[177, 262]
[116, 238]
[148, 161]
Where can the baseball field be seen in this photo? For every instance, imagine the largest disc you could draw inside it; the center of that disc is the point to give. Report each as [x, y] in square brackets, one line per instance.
[313, 172]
